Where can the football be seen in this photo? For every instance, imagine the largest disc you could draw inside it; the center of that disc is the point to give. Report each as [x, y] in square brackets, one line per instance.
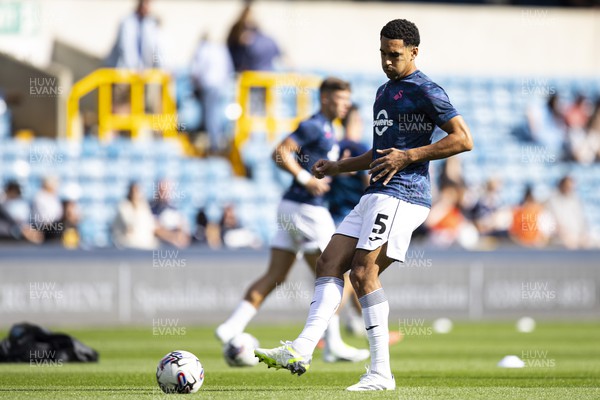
[180, 372]
[239, 351]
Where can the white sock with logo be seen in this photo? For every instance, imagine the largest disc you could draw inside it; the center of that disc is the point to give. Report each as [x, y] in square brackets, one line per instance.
[237, 321]
[376, 311]
[326, 300]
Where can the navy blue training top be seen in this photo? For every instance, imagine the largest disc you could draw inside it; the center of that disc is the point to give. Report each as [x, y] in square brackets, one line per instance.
[346, 189]
[317, 141]
[405, 114]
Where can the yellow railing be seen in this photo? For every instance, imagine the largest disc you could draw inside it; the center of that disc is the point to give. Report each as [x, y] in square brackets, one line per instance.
[275, 86]
[137, 120]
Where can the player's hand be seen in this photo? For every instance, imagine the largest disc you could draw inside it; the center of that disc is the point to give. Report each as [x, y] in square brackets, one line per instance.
[317, 187]
[324, 168]
[387, 166]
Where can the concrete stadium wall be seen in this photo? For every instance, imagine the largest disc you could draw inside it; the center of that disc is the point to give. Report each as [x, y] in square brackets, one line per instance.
[81, 64]
[199, 287]
[42, 95]
[337, 35]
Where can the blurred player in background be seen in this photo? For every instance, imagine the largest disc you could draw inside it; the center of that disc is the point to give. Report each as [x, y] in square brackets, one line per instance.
[377, 232]
[347, 189]
[305, 225]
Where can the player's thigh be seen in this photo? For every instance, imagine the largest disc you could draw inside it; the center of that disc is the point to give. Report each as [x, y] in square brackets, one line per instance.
[280, 263]
[337, 257]
[371, 262]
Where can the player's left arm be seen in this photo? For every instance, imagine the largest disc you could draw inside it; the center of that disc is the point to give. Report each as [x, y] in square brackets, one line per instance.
[458, 140]
[324, 168]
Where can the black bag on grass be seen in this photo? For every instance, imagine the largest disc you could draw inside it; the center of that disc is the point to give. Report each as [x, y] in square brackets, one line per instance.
[34, 344]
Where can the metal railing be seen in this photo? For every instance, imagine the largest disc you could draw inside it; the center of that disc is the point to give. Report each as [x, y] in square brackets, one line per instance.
[275, 86]
[138, 119]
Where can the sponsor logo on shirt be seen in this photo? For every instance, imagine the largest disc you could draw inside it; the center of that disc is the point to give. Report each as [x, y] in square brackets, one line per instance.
[382, 122]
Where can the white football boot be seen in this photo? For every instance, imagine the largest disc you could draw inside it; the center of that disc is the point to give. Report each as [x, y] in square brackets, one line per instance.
[373, 381]
[344, 352]
[284, 357]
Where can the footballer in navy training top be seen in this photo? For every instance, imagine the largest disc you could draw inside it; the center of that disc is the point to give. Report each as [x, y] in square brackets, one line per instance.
[406, 112]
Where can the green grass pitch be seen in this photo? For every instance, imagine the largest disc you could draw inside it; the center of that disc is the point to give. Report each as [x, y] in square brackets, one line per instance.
[563, 362]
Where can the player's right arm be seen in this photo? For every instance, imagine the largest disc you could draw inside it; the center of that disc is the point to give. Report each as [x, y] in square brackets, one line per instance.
[324, 168]
[284, 157]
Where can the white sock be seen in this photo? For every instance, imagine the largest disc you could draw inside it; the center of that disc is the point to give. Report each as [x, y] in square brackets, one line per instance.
[376, 311]
[326, 300]
[237, 321]
[333, 337]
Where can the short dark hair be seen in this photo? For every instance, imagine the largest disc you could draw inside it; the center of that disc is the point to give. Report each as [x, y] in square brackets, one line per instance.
[332, 84]
[402, 29]
[13, 186]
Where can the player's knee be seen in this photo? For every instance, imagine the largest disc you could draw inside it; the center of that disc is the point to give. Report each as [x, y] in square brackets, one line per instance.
[325, 266]
[358, 275]
[361, 276]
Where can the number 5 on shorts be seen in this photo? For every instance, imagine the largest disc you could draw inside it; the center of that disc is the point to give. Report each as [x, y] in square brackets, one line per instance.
[379, 222]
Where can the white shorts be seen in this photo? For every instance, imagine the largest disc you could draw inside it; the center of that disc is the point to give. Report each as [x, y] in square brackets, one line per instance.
[378, 219]
[303, 227]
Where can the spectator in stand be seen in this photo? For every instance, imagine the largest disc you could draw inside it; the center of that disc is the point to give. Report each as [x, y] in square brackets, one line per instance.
[446, 223]
[14, 217]
[547, 126]
[584, 140]
[489, 216]
[138, 45]
[11, 230]
[530, 224]
[14, 204]
[578, 114]
[346, 189]
[450, 175]
[134, 226]
[212, 76]
[567, 211]
[229, 232]
[171, 224]
[47, 209]
[250, 48]
[207, 232]
[233, 234]
[70, 224]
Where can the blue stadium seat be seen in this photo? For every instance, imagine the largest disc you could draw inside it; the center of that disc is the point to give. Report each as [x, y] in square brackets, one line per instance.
[92, 168]
[97, 175]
